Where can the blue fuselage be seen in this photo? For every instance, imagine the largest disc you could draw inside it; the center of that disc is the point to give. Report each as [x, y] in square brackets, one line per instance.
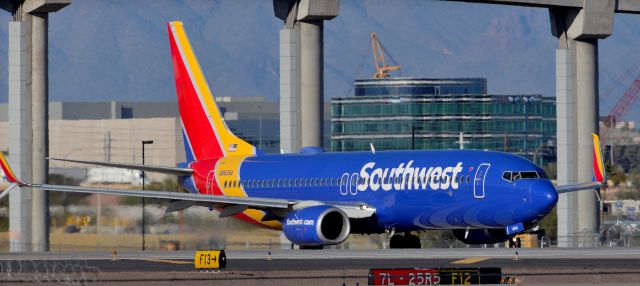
[410, 190]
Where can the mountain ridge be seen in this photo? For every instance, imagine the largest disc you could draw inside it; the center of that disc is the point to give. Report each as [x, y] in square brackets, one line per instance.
[117, 50]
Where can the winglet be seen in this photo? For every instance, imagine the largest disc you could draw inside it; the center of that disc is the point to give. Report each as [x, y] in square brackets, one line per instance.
[8, 173]
[599, 173]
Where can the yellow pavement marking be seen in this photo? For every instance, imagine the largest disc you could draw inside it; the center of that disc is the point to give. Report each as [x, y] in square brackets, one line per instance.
[470, 260]
[169, 261]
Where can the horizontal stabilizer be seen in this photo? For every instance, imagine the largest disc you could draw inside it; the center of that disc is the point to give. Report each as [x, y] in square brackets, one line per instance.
[578, 187]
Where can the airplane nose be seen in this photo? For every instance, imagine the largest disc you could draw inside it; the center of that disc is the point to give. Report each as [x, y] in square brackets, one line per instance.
[543, 197]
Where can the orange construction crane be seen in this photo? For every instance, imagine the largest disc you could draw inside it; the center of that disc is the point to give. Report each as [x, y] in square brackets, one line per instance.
[624, 104]
[382, 69]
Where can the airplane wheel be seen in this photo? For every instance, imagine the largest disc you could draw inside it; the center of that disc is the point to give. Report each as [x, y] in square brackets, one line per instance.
[412, 241]
[397, 241]
[518, 243]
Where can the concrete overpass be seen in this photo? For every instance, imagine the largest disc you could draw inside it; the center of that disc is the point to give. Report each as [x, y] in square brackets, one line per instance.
[620, 6]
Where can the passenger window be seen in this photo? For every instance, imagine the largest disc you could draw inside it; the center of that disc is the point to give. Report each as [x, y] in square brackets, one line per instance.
[506, 176]
[468, 179]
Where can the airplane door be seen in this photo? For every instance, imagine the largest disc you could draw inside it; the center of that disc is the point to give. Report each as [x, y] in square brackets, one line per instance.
[210, 178]
[344, 184]
[478, 183]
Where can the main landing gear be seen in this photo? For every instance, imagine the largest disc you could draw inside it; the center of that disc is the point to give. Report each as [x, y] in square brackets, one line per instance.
[515, 242]
[407, 240]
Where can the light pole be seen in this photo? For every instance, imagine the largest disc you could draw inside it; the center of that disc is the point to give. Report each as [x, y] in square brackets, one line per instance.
[144, 142]
[413, 135]
[260, 128]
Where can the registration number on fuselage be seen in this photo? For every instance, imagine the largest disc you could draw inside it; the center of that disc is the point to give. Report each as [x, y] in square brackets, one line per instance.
[224, 173]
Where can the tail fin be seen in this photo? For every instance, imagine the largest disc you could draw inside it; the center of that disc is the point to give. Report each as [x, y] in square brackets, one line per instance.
[206, 135]
[599, 173]
[8, 173]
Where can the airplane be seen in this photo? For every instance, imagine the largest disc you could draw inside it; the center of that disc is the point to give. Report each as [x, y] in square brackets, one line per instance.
[318, 198]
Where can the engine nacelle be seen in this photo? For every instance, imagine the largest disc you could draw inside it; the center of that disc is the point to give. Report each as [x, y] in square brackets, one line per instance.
[481, 236]
[316, 225]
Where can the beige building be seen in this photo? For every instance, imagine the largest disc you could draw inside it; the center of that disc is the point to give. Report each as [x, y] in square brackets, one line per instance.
[115, 140]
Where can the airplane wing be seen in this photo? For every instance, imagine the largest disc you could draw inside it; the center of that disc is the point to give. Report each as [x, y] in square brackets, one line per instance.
[229, 205]
[146, 168]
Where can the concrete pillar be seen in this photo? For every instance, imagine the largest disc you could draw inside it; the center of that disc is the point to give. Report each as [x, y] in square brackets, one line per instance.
[587, 123]
[28, 119]
[40, 98]
[289, 90]
[578, 31]
[311, 83]
[565, 118]
[20, 131]
[302, 70]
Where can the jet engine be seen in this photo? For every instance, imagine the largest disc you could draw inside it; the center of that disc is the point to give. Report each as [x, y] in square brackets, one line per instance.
[481, 236]
[316, 225]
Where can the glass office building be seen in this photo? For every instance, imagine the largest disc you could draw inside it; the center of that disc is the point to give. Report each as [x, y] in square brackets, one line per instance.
[406, 113]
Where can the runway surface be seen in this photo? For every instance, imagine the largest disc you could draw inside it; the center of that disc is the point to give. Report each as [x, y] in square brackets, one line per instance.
[431, 253]
[543, 266]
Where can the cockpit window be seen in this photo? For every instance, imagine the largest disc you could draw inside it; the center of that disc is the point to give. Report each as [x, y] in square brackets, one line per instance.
[529, 175]
[506, 176]
[514, 176]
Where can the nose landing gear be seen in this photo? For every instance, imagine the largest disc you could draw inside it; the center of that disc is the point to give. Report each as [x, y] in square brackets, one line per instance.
[407, 240]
